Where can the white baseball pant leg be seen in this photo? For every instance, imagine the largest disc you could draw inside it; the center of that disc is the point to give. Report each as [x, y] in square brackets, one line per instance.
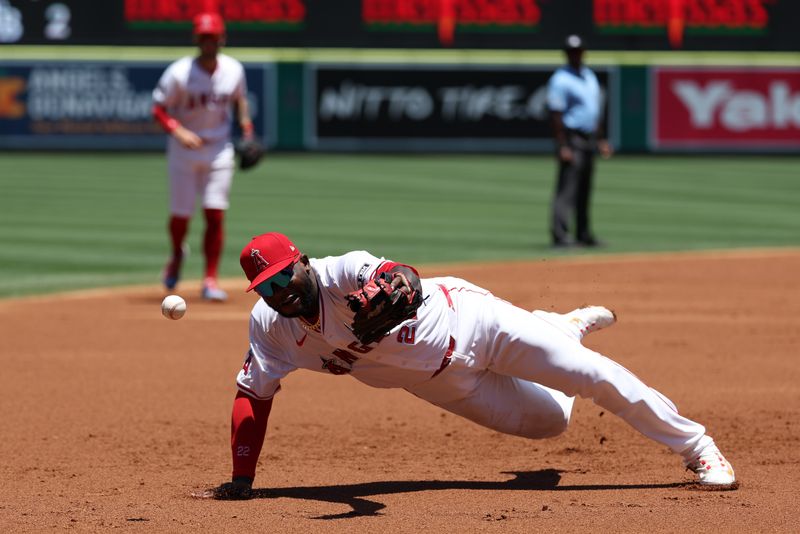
[513, 342]
[219, 178]
[468, 388]
[206, 172]
[503, 403]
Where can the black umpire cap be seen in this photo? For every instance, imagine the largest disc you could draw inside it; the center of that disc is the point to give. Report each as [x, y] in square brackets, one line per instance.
[573, 42]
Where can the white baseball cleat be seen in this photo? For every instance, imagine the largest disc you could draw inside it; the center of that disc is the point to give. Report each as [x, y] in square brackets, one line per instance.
[711, 467]
[591, 318]
[212, 292]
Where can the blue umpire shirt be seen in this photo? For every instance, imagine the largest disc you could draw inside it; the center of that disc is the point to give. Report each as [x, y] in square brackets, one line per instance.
[577, 96]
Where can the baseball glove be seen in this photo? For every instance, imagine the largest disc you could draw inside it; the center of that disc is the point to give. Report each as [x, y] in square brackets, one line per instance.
[382, 304]
[249, 151]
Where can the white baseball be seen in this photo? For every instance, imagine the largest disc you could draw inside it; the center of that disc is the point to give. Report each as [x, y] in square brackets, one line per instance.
[173, 307]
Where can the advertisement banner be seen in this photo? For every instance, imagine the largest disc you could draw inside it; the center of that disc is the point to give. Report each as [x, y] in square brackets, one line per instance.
[96, 105]
[725, 108]
[429, 108]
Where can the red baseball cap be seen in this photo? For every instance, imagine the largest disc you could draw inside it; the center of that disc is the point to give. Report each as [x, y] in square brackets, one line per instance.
[265, 255]
[208, 23]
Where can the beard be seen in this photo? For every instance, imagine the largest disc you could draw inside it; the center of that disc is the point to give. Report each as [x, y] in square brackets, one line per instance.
[308, 300]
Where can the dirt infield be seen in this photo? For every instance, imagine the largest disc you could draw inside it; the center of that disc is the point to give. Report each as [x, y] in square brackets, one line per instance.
[112, 415]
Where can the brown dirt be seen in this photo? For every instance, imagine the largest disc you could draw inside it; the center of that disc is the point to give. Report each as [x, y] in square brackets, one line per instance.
[112, 415]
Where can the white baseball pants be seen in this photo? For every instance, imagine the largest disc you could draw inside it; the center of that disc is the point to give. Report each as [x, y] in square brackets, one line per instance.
[206, 172]
[518, 372]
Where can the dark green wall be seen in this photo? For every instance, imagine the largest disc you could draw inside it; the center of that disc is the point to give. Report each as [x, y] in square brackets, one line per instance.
[633, 109]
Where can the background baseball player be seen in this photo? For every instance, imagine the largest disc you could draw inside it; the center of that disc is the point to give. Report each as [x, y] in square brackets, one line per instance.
[444, 340]
[194, 103]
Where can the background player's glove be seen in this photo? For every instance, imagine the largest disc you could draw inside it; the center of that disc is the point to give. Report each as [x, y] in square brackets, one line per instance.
[382, 304]
[249, 150]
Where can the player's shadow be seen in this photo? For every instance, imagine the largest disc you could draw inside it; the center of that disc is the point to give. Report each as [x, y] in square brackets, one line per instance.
[354, 495]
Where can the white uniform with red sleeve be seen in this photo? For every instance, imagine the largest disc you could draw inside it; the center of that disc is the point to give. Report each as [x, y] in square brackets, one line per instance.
[203, 103]
[466, 351]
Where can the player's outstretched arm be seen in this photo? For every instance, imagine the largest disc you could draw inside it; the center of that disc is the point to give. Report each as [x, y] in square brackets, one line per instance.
[248, 429]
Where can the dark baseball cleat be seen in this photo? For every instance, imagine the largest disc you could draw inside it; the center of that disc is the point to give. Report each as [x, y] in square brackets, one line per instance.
[171, 276]
[590, 241]
[564, 243]
[172, 270]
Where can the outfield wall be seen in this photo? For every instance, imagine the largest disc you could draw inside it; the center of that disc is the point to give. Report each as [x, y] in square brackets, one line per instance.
[695, 25]
[84, 98]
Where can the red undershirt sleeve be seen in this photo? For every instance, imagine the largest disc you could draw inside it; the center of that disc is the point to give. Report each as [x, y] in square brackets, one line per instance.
[167, 121]
[248, 428]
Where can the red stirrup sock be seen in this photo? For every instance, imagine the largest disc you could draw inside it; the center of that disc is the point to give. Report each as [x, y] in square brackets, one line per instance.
[213, 241]
[178, 226]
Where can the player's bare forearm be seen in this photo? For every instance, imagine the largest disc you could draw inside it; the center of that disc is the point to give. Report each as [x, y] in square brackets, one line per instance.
[243, 115]
[171, 126]
[187, 138]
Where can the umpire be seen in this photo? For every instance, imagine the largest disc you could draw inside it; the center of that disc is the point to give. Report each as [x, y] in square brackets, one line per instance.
[575, 103]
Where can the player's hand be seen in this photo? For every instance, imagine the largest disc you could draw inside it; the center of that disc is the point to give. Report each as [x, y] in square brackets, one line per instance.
[187, 138]
[565, 154]
[241, 488]
[401, 282]
[605, 149]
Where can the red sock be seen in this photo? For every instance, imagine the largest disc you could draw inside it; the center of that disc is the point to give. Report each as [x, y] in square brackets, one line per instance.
[213, 240]
[178, 226]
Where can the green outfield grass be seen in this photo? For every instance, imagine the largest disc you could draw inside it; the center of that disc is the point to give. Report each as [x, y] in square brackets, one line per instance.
[72, 221]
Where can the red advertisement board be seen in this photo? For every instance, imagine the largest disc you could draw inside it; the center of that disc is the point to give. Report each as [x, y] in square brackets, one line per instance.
[725, 108]
[233, 11]
[675, 18]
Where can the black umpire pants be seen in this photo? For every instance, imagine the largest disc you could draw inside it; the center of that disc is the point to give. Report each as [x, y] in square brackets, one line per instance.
[573, 191]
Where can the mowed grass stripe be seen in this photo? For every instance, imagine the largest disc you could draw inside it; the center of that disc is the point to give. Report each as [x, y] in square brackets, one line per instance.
[82, 220]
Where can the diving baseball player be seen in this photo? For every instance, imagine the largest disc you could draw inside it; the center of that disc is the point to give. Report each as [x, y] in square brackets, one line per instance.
[447, 341]
[194, 103]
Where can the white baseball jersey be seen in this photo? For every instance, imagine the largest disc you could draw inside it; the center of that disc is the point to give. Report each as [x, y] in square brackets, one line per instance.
[466, 351]
[202, 101]
[412, 353]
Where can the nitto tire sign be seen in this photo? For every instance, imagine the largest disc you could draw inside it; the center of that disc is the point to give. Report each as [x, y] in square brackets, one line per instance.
[430, 108]
[726, 108]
